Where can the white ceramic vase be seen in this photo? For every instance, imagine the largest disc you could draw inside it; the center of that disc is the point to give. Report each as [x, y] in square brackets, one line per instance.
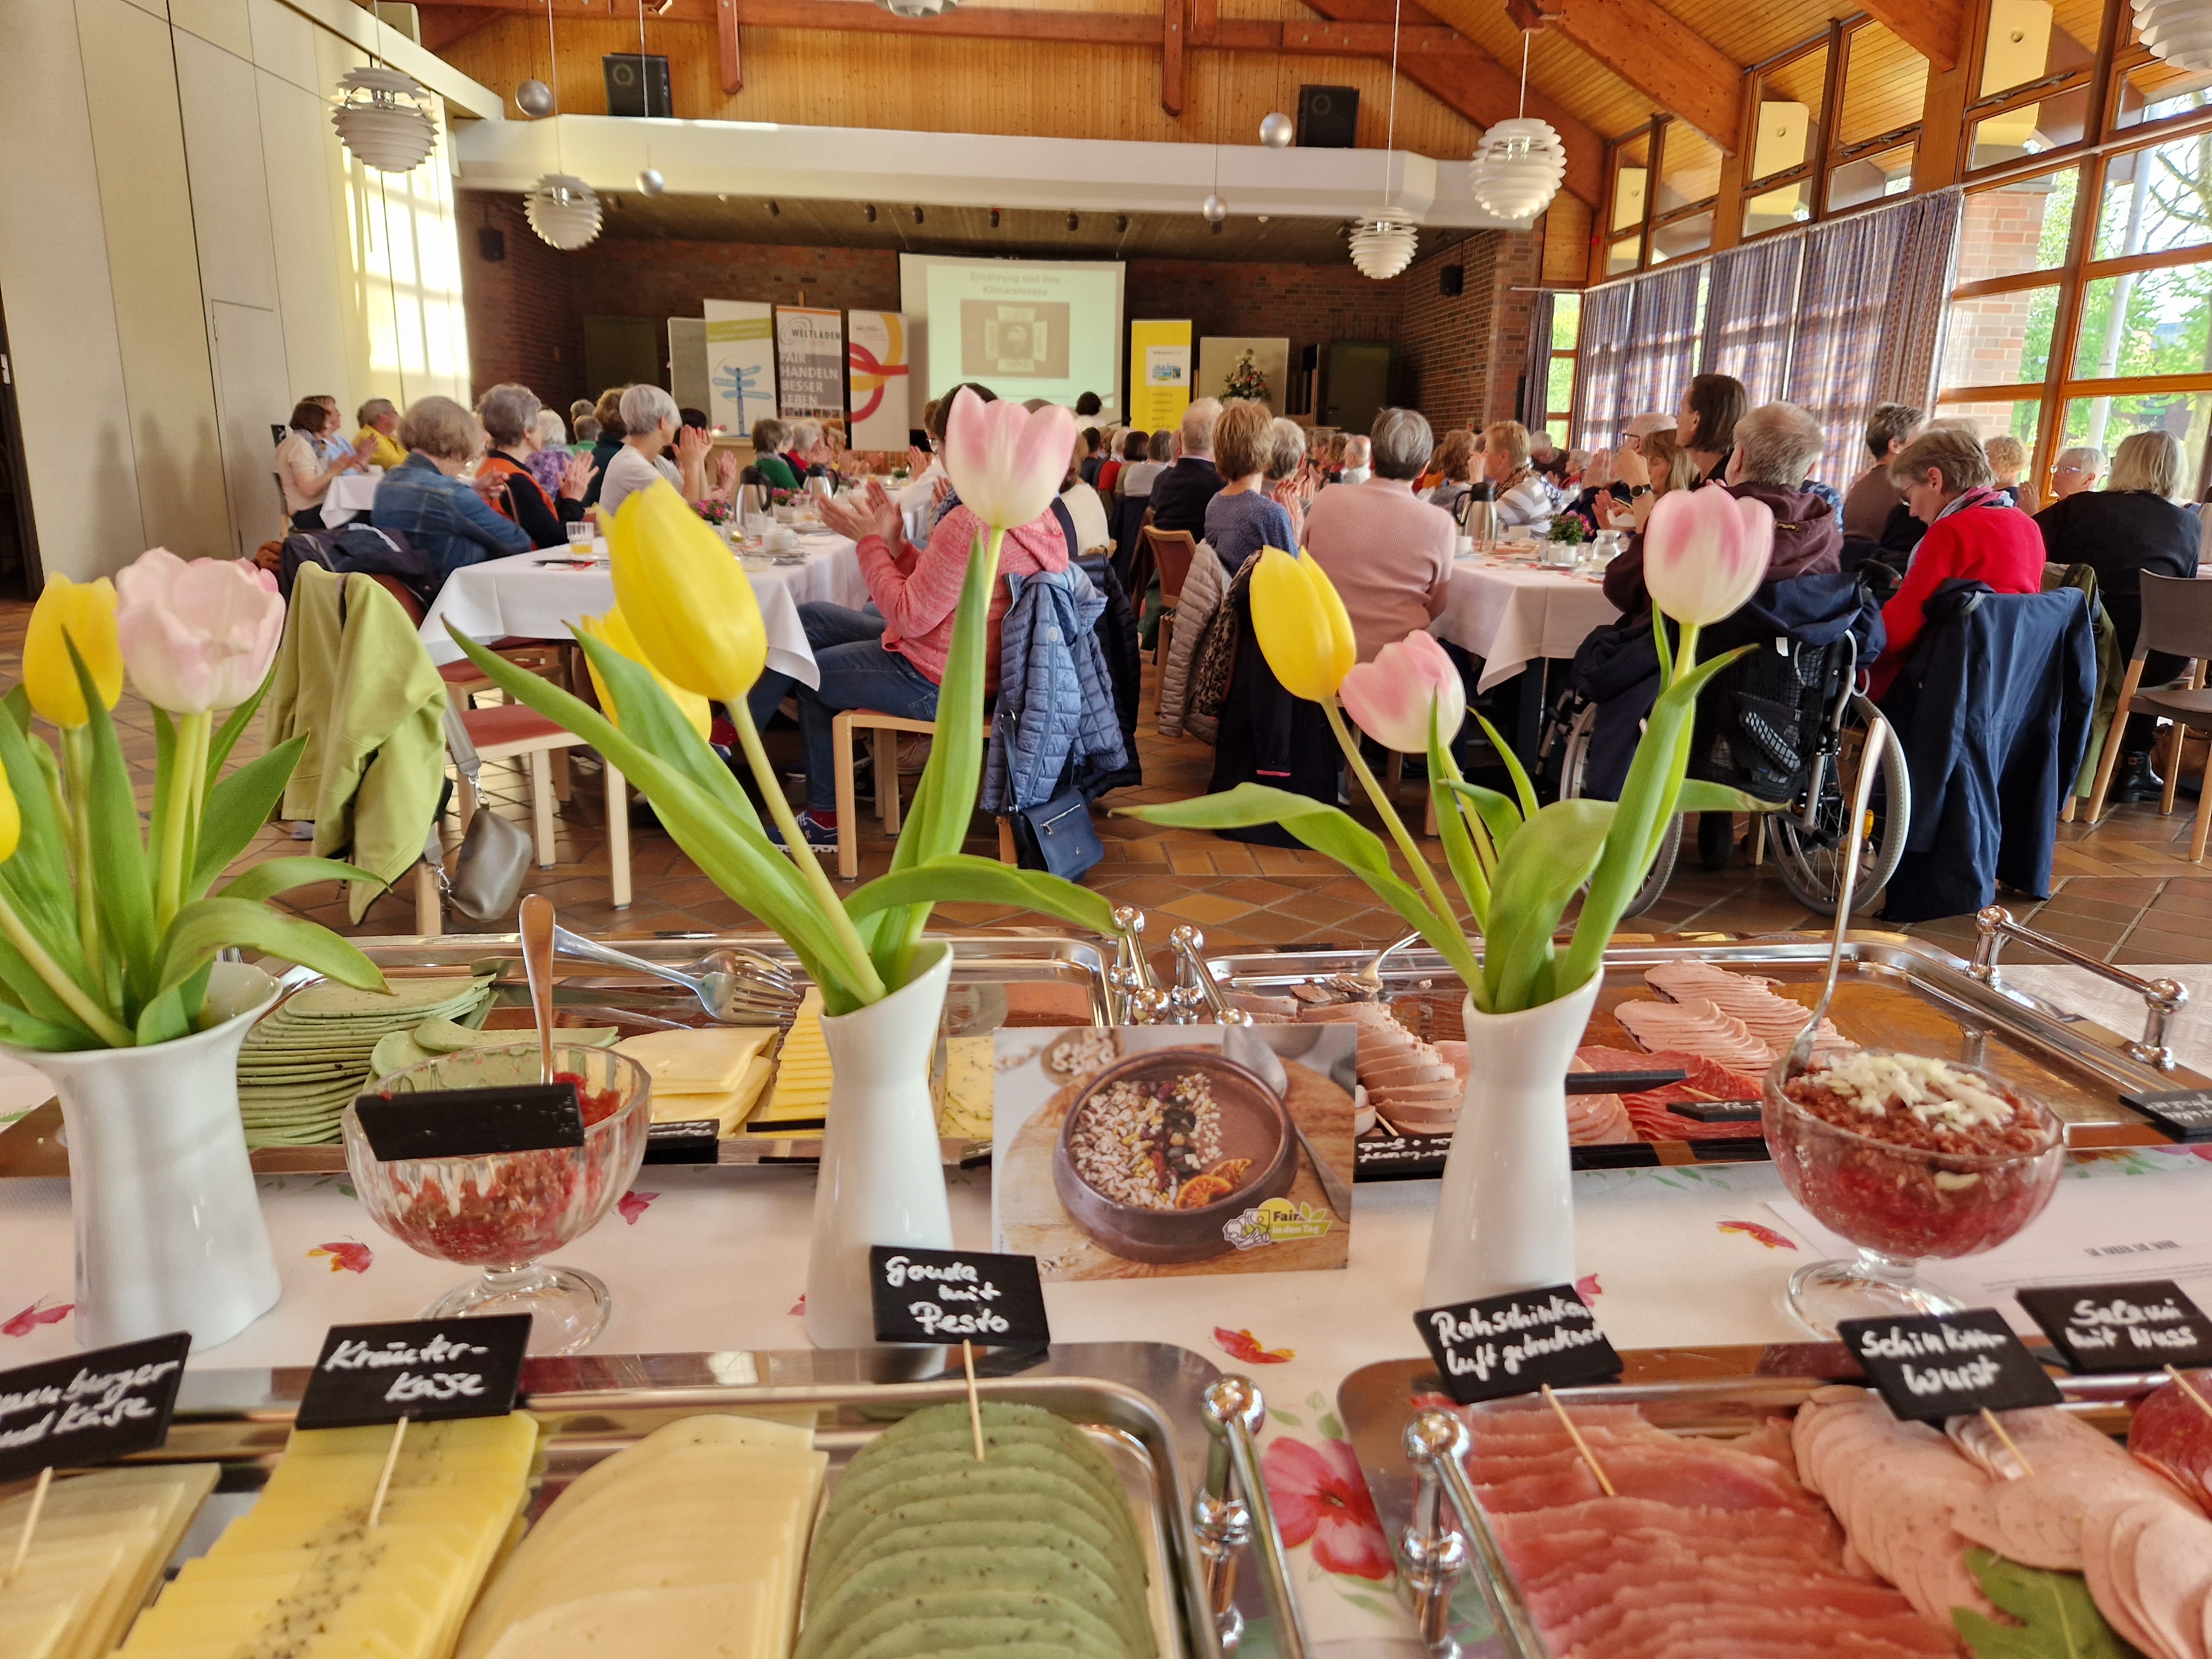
[883, 1173]
[1505, 1219]
[169, 1235]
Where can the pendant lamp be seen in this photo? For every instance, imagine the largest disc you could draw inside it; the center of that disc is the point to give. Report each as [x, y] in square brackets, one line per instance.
[2178, 31]
[564, 211]
[384, 117]
[917, 8]
[1383, 247]
[1518, 170]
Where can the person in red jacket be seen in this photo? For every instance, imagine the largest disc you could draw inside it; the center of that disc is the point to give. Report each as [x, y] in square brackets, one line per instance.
[1972, 532]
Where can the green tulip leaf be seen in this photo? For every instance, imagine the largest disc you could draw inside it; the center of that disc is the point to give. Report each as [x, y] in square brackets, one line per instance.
[1523, 789]
[274, 876]
[650, 719]
[226, 738]
[211, 925]
[236, 808]
[37, 878]
[1460, 850]
[956, 878]
[1537, 877]
[17, 703]
[27, 1031]
[119, 849]
[164, 774]
[31, 992]
[1696, 795]
[1499, 815]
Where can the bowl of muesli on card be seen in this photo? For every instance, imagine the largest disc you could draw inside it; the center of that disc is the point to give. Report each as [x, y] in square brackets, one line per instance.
[1161, 1150]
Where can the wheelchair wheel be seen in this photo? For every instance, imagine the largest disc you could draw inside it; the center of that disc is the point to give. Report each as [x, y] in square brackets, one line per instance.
[1808, 857]
[1573, 759]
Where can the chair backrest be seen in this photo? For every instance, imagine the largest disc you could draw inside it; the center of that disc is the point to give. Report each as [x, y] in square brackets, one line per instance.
[2176, 616]
[1173, 550]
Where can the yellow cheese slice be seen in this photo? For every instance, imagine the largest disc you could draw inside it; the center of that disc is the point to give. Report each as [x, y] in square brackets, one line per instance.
[36, 1635]
[966, 1112]
[706, 1621]
[102, 1542]
[710, 1061]
[727, 1109]
[802, 1071]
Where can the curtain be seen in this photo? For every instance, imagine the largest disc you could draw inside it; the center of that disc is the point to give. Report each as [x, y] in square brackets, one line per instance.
[1749, 314]
[1868, 314]
[1601, 353]
[1662, 351]
[1536, 372]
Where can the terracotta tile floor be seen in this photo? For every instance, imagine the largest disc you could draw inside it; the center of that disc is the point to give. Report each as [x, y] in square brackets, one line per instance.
[2125, 889]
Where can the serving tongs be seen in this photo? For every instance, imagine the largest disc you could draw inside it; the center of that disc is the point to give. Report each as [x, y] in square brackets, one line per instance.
[736, 987]
[1800, 1058]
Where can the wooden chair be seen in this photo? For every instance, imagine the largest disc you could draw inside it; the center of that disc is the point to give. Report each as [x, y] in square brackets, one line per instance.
[1171, 552]
[508, 730]
[884, 735]
[2176, 617]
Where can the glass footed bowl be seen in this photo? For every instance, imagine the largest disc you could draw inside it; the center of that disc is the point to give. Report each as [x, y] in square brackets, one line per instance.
[501, 1211]
[1899, 1203]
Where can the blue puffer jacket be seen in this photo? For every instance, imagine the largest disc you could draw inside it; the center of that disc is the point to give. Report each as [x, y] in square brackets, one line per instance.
[1055, 697]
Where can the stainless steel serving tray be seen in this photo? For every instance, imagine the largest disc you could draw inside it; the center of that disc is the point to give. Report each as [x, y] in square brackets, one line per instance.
[1139, 1402]
[1009, 975]
[1724, 1391]
[1895, 992]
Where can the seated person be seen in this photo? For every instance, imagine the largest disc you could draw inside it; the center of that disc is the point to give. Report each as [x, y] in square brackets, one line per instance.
[1973, 533]
[425, 499]
[1522, 497]
[1243, 518]
[1137, 474]
[2007, 461]
[379, 419]
[1180, 492]
[1453, 469]
[768, 437]
[651, 423]
[1358, 461]
[1773, 447]
[1387, 552]
[510, 417]
[894, 662]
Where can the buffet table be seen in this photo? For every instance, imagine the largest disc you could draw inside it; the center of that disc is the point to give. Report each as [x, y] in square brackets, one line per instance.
[1511, 612]
[714, 1260]
[536, 595]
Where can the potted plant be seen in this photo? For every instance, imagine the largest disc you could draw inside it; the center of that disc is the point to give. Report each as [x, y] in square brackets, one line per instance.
[693, 624]
[109, 981]
[1505, 1218]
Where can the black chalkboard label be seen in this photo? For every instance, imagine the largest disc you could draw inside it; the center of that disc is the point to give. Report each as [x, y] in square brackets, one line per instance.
[2185, 1114]
[1515, 1344]
[949, 1296]
[522, 1117]
[694, 1140]
[2139, 1326]
[1929, 1367]
[425, 1370]
[91, 1407]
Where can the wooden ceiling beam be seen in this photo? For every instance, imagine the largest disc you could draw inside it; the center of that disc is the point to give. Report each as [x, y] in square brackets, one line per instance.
[1174, 39]
[1933, 28]
[678, 11]
[733, 63]
[1649, 48]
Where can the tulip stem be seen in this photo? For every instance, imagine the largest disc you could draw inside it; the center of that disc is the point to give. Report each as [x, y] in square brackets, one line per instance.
[187, 758]
[1391, 821]
[1686, 659]
[96, 1019]
[866, 980]
[80, 822]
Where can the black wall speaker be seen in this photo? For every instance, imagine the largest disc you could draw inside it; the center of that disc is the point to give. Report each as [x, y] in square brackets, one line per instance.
[1328, 116]
[1451, 281]
[491, 244]
[636, 85]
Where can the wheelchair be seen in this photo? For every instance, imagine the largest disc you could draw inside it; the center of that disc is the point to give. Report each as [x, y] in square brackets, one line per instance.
[1779, 726]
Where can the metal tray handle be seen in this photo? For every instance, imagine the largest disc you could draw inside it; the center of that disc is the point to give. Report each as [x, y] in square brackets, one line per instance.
[1195, 987]
[1226, 1520]
[2163, 998]
[1436, 1553]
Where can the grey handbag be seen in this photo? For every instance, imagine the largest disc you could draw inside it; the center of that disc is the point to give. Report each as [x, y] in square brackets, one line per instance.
[495, 855]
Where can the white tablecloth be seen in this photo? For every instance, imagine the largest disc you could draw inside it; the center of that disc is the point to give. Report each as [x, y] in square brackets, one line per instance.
[1510, 613]
[349, 493]
[536, 595]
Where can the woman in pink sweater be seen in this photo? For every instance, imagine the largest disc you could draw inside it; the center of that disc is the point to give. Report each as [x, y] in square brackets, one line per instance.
[894, 662]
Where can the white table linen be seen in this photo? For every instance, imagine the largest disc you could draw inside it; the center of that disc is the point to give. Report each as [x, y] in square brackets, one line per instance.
[350, 492]
[1510, 613]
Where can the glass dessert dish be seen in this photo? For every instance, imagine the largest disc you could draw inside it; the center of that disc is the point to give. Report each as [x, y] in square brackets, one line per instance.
[1906, 1157]
[501, 1211]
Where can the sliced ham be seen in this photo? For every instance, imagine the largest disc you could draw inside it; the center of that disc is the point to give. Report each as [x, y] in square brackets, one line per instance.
[1696, 1027]
[1774, 1020]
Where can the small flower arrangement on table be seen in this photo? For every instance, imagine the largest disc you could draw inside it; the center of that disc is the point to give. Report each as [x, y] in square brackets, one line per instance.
[713, 510]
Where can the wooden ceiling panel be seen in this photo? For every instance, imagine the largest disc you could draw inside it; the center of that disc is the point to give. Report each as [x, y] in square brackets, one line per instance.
[1586, 88]
[1752, 34]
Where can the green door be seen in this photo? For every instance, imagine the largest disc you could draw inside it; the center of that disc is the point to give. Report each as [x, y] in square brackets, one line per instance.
[1358, 384]
[622, 351]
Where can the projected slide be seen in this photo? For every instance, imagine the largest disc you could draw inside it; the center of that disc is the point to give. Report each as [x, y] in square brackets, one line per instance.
[1026, 328]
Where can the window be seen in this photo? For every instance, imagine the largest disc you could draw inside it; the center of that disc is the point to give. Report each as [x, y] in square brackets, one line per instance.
[2033, 40]
[1789, 114]
[1792, 205]
[1989, 420]
[1679, 238]
[1623, 255]
[1560, 383]
[2101, 423]
[1870, 178]
[1689, 169]
[2156, 200]
[2000, 339]
[2159, 92]
[2018, 228]
[2030, 128]
[1631, 177]
[1885, 84]
[2150, 322]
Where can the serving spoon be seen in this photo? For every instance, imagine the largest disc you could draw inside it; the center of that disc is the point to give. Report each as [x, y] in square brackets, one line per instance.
[1847, 880]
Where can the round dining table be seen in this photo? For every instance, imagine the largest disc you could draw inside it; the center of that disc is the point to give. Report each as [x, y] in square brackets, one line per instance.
[536, 595]
[1511, 611]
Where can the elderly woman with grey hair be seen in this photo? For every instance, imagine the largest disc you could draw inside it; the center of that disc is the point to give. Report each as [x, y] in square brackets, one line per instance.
[506, 478]
[1287, 485]
[651, 421]
[2075, 470]
[1387, 552]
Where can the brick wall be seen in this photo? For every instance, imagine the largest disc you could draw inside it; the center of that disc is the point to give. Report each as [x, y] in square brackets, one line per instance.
[1458, 358]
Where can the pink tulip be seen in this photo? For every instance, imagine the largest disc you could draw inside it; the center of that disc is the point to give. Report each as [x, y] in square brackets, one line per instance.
[196, 636]
[1005, 464]
[1391, 698]
[1705, 553]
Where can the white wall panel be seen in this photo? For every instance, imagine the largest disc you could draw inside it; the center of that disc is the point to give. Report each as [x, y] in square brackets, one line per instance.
[230, 191]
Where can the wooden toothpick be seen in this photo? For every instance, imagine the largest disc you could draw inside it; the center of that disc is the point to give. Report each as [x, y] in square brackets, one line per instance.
[384, 1480]
[30, 1524]
[1581, 1445]
[975, 1406]
[2190, 1388]
[1998, 1429]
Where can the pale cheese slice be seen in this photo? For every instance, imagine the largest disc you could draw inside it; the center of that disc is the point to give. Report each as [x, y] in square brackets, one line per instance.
[727, 1109]
[710, 1061]
[704, 1621]
[30, 1633]
[968, 1079]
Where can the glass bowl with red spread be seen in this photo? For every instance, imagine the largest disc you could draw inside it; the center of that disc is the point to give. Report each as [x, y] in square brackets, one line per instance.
[1906, 1156]
[501, 1211]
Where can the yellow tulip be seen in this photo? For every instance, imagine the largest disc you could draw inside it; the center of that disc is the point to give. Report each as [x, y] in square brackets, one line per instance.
[11, 819]
[85, 612]
[1302, 626]
[687, 603]
[613, 629]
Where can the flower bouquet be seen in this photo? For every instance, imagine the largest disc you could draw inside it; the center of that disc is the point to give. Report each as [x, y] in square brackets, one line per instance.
[1505, 1221]
[110, 929]
[686, 625]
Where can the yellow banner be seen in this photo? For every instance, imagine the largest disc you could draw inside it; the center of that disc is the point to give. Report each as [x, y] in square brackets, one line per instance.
[1159, 373]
